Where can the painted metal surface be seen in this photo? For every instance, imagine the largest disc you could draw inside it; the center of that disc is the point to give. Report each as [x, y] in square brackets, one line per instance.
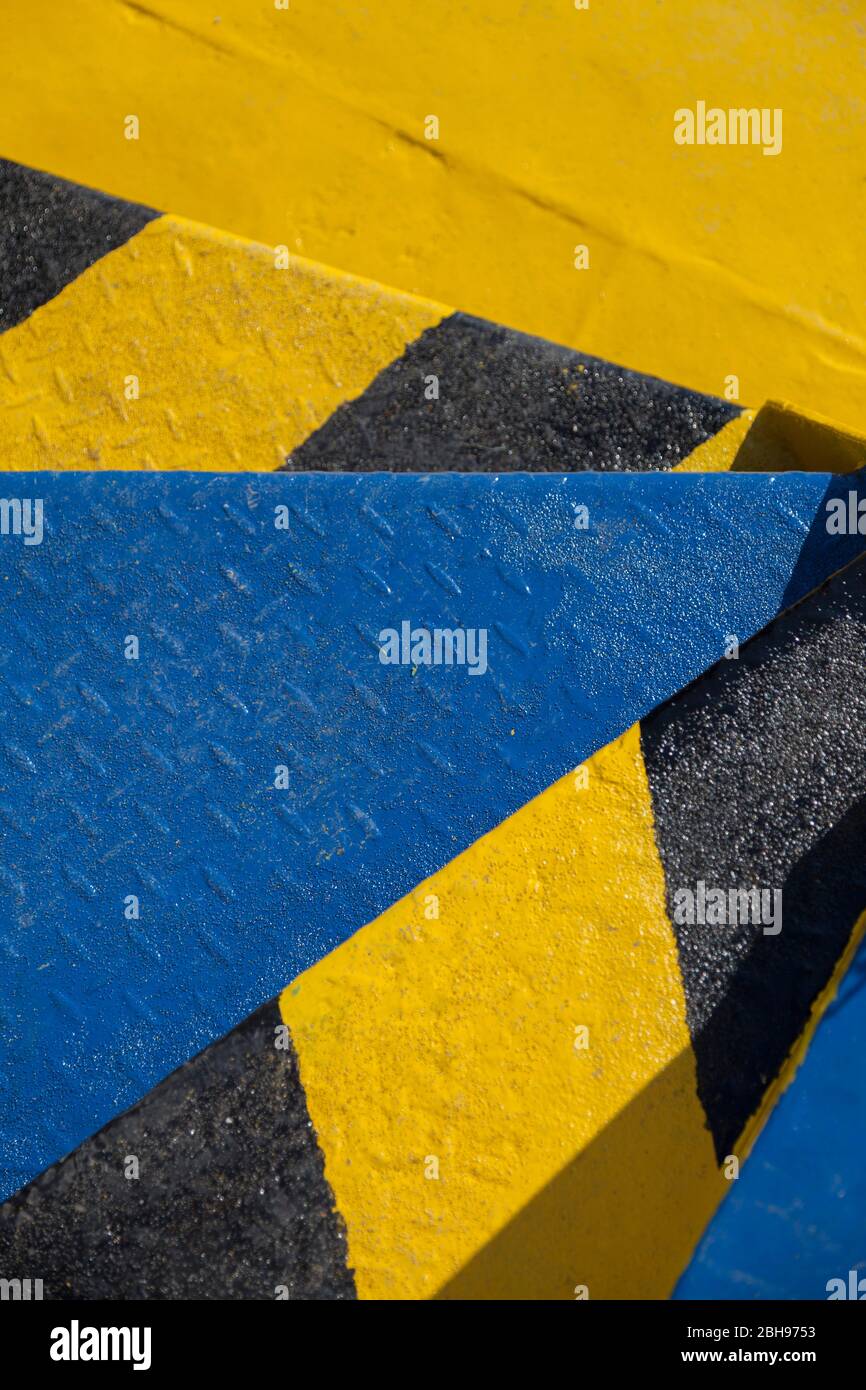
[555, 130]
[503, 1086]
[52, 231]
[139, 341]
[796, 1218]
[258, 649]
[493, 399]
[182, 347]
[211, 1188]
[531, 1077]
[143, 342]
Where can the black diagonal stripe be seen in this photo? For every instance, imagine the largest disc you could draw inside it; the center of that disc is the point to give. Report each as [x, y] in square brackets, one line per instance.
[510, 402]
[231, 1201]
[51, 231]
[758, 779]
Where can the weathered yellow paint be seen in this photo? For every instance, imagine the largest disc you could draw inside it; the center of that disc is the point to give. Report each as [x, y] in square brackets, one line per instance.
[236, 362]
[555, 130]
[188, 348]
[451, 1041]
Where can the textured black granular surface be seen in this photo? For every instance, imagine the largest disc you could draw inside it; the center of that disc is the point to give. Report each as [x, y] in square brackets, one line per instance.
[758, 779]
[50, 231]
[510, 402]
[231, 1201]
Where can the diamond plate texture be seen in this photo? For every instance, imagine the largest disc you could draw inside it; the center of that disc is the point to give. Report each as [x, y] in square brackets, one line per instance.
[258, 648]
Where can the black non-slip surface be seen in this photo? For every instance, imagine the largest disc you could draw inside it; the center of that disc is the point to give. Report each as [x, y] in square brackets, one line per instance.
[51, 231]
[507, 402]
[231, 1200]
[758, 779]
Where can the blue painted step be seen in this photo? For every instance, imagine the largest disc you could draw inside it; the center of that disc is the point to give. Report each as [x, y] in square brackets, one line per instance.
[795, 1219]
[258, 649]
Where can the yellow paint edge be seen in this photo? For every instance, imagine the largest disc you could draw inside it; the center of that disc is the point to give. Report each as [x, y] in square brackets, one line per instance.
[452, 1043]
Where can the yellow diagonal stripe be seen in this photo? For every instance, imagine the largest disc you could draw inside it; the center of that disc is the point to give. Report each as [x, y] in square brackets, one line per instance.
[718, 453]
[778, 438]
[556, 129]
[475, 1146]
[188, 348]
